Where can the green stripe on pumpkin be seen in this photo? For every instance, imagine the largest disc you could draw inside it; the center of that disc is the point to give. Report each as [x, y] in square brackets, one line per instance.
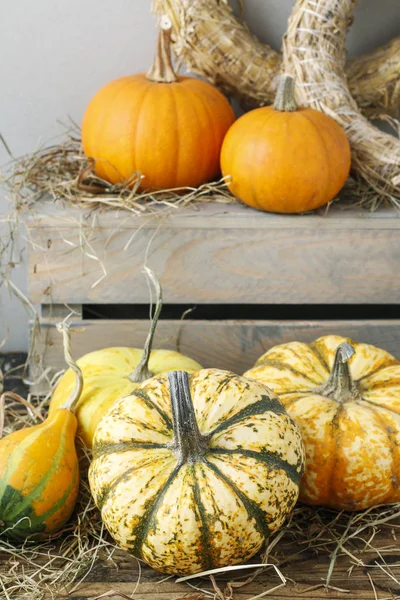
[252, 509]
[272, 460]
[207, 548]
[260, 407]
[141, 530]
[106, 448]
[146, 398]
[282, 366]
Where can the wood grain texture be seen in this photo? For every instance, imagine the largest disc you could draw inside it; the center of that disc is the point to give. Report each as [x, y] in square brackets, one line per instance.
[215, 254]
[306, 571]
[230, 345]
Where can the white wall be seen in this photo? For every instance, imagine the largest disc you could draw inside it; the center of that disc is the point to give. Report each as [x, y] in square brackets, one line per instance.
[55, 54]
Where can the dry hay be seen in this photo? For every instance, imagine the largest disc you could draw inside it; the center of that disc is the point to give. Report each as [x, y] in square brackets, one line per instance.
[215, 44]
[63, 564]
[314, 51]
[62, 172]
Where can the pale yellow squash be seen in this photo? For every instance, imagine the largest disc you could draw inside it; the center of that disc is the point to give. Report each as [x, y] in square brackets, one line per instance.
[112, 373]
[193, 472]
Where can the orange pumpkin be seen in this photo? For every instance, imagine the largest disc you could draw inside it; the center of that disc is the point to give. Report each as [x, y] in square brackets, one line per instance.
[286, 159]
[168, 128]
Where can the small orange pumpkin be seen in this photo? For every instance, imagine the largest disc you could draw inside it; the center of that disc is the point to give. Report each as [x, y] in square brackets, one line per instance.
[286, 159]
[170, 129]
[39, 470]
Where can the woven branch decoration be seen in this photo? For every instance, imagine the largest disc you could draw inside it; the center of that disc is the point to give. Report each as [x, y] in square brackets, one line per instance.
[215, 44]
[314, 51]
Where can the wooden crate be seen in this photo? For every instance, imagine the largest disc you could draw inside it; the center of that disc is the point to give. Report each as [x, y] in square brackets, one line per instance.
[212, 254]
[217, 255]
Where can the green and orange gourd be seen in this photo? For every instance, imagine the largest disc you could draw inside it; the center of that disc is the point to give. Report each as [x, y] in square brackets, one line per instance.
[39, 470]
[165, 127]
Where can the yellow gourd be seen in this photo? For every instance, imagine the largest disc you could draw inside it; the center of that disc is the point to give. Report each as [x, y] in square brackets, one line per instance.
[112, 373]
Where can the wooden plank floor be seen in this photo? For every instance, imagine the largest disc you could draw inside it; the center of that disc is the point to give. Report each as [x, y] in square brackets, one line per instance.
[305, 573]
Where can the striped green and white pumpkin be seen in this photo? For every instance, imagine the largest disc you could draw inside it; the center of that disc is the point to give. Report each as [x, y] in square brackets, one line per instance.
[193, 472]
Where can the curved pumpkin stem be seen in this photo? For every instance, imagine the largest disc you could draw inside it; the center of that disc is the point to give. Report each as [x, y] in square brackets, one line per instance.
[340, 385]
[142, 372]
[71, 402]
[188, 441]
[285, 100]
[162, 70]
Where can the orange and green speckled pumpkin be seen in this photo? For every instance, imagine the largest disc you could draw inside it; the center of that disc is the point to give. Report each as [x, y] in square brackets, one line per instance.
[284, 158]
[168, 128]
[39, 473]
[193, 472]
[345, 397]
[112, 373]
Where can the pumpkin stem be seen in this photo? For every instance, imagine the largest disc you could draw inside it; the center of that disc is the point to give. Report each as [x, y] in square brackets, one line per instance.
[340, 385]
[162, 70]
[71, 402]
[142, 372]
[189, 443]
[285, 100]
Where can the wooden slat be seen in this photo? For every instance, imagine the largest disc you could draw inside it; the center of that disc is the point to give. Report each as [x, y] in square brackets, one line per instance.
[231, 345]
[217, 254]
[212, 215]
[305, 570]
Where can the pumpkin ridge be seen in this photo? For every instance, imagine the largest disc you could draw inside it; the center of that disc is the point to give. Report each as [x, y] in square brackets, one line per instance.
[102, 498]
[336, 436]
[134, 146]
[141, 530]
[148, 401]
[300, 394]
[319, 136]
[373, 405]
[106, 448]
[394, 451]
[318, 354]
[378, 406]
[267, 116]
[176, 135]
[271, 459]
[266, 404]
[281, 366]
[380, 368]
[253, 510]
[209, 118]
[206, 540]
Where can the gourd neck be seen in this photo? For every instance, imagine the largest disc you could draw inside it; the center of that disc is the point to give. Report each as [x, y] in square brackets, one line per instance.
[162, 70]
[340, 385]
[189, 444]
[285, 100]
[73, 398]
[142, 372]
